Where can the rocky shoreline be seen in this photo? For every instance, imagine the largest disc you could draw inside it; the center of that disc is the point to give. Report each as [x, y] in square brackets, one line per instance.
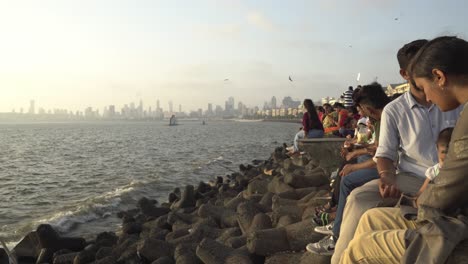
[261, 214]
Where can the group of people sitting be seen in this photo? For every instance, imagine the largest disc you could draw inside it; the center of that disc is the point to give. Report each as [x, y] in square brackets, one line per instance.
[400, 197]
[326, 120]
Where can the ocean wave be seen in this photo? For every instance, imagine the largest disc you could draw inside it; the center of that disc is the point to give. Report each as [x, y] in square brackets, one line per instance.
[98, 207]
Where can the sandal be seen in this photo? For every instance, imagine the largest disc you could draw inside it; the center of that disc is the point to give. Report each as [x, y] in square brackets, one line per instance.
[324, 218]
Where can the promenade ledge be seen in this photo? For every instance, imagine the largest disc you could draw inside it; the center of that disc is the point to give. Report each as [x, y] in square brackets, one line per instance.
[326, 151]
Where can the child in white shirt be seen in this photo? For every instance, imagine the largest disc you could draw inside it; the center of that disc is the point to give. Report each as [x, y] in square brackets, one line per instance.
[442, 149]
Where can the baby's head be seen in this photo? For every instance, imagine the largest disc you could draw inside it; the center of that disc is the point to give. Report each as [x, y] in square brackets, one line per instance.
[443, 144]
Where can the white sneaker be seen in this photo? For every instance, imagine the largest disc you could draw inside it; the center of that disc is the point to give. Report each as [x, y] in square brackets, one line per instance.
[324, 247]
[326, 230]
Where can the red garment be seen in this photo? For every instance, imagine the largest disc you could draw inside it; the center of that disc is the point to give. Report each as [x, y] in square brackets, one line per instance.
[306, 125]
[342, 116]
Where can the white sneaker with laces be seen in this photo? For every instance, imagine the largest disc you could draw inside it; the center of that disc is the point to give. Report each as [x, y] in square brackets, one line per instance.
[325, 247]
[326, 230]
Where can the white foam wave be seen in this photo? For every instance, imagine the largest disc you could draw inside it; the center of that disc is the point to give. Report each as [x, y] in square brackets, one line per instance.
[94, 208]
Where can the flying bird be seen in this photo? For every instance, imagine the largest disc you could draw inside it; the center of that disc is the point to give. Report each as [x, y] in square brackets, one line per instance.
[290, 79]
[396, 18]
[226, 80]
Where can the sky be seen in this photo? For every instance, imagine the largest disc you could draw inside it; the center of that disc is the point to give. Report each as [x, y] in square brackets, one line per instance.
[74, 54]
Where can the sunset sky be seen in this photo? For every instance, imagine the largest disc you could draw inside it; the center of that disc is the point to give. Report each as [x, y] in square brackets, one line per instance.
[74, 54]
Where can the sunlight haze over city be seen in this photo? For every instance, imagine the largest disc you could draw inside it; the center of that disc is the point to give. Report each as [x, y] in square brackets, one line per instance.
[74, 54]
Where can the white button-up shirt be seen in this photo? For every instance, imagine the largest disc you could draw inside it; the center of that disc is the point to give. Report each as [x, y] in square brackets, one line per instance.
[409, 131]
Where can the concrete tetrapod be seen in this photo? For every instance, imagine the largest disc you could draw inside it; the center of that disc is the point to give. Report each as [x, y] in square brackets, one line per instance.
[213, 252]
[289, 238]
[300, 178]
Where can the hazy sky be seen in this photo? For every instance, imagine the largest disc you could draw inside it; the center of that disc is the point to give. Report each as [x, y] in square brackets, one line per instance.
[74, 54]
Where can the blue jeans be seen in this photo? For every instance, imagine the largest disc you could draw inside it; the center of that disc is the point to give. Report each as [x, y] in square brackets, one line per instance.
[349, 183]
[313, 133]
[344, 132]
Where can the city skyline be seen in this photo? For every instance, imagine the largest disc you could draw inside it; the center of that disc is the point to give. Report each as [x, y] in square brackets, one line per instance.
[72, 54]
[229, 104]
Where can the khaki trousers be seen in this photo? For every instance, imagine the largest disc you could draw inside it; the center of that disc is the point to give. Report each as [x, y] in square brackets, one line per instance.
[379, 238]
[361, 200]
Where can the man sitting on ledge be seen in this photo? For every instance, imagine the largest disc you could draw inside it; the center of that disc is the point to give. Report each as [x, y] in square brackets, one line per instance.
[384, 235]
[409, 126]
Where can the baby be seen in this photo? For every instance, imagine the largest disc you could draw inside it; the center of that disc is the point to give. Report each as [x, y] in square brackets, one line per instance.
[442, 148]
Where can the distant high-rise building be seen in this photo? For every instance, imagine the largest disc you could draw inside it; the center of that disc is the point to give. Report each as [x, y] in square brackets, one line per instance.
[240, 108]
[231, 101]
[171, 107]
[89, 112]
[140, 108]
[273, 102]
[158, 108]
[32, 107]
[180, 108]
[288, 102]
[229, 106]
[218, 110]
[111, 111]
[209, 112]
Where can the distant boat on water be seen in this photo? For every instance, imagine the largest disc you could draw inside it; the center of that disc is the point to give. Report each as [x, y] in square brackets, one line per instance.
[173, 121]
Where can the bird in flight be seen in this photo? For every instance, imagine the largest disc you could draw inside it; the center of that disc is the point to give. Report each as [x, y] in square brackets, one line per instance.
[290, 79]
[226, 80]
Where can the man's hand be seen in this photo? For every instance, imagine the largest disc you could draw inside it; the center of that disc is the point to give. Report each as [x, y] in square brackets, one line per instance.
[371, 149]
[344, 152]
[388, 187]
[349, 156]
[347, 169]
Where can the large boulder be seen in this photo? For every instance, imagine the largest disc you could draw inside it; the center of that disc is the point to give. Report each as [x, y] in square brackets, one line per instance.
[153, 249]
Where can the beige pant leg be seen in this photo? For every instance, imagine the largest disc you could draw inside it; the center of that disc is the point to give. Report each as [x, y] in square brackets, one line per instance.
[384, 218]
[379, 237]
[362, 199]
[359, 201]
[380, 247]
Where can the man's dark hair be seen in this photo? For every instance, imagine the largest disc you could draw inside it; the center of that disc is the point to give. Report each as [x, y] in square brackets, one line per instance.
[320, 109]
[338, 105]
[407, 52]
[372, 95]
[445, 136]
[356, 93]
[350, 88]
